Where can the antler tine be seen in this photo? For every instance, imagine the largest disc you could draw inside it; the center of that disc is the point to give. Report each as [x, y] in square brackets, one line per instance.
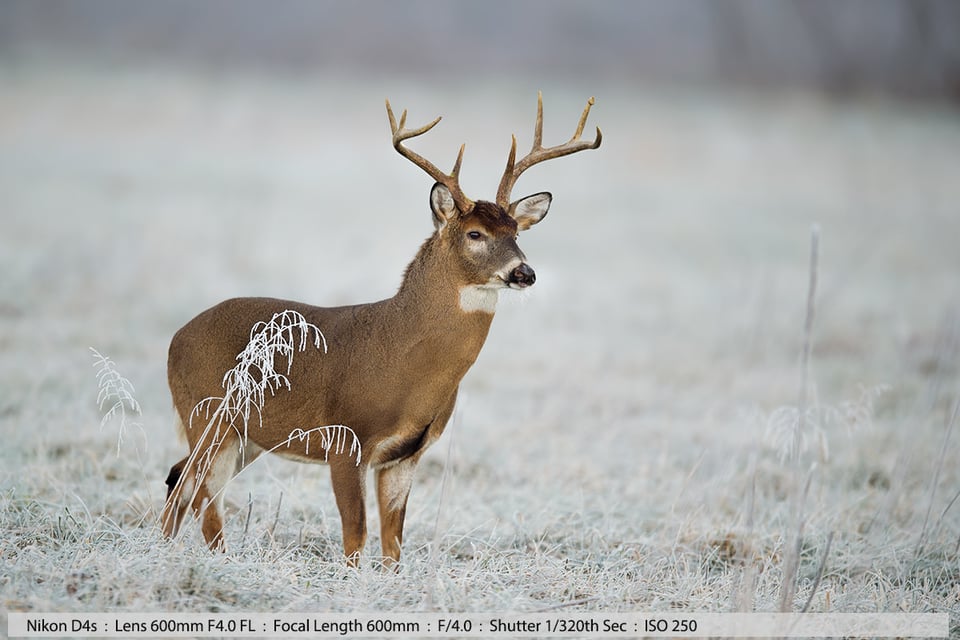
[511, 161]
[583, 119]
[540, 154]
[456, 166]
[538, 127]
[451, 180]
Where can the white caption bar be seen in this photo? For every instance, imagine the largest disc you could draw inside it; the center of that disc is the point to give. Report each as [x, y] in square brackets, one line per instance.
[476, 625]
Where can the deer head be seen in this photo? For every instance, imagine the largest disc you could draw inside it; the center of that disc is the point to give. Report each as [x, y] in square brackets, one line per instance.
[483, 234]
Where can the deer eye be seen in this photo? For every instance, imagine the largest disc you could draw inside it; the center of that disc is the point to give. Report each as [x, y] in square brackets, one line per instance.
[474, 235]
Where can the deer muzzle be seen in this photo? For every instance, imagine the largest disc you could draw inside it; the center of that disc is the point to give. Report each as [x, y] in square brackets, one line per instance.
[523, 276]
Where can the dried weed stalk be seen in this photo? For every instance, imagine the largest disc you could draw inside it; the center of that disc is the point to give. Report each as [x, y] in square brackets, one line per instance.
[116, 392]
[255, 377]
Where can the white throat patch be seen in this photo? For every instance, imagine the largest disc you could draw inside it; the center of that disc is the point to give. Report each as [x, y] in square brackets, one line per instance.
[479, 297]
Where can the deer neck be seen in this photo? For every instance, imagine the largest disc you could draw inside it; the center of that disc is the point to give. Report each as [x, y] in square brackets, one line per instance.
[434, 298]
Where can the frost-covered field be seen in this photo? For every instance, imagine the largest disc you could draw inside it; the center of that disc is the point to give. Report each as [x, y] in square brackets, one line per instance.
[620, 443]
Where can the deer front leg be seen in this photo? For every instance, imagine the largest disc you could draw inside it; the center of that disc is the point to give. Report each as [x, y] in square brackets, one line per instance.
[393, 489]
[349, 487]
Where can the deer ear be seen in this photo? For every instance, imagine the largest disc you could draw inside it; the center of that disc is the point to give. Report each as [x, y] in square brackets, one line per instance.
[530, 210]
[442, 205]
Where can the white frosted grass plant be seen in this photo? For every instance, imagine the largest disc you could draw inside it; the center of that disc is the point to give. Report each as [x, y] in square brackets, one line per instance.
[794, 538]
[934, 482]
[115, 398]
[246, 384]
[247, 387]
[117, 402]
[332, 438]
[796, 432]
[782, 425]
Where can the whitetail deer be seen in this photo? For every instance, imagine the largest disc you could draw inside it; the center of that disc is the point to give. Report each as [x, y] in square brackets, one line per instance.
[391, 369]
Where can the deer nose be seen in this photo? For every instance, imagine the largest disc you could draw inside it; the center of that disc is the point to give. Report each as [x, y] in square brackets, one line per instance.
[523, 276]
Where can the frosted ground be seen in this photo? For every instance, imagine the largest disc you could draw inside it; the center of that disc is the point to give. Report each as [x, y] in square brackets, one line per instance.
[619, 444]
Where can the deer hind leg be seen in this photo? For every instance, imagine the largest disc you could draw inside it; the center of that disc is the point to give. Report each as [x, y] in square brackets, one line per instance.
[198, 482]
[393, 489]
[349, 488]
[175, 506]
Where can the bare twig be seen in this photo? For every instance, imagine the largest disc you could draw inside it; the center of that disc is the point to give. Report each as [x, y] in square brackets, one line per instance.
[746, 589]
[819, 577]
[567, 605]
[276, 517]
[807, 342]
[791, 560]
[246, 525]
[936, 480]
[441, 503]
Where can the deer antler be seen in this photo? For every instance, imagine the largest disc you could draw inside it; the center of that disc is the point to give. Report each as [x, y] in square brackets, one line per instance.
[451, 181]
[539, 154]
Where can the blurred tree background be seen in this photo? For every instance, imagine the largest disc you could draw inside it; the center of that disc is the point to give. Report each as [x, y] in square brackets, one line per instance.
[904, 48]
